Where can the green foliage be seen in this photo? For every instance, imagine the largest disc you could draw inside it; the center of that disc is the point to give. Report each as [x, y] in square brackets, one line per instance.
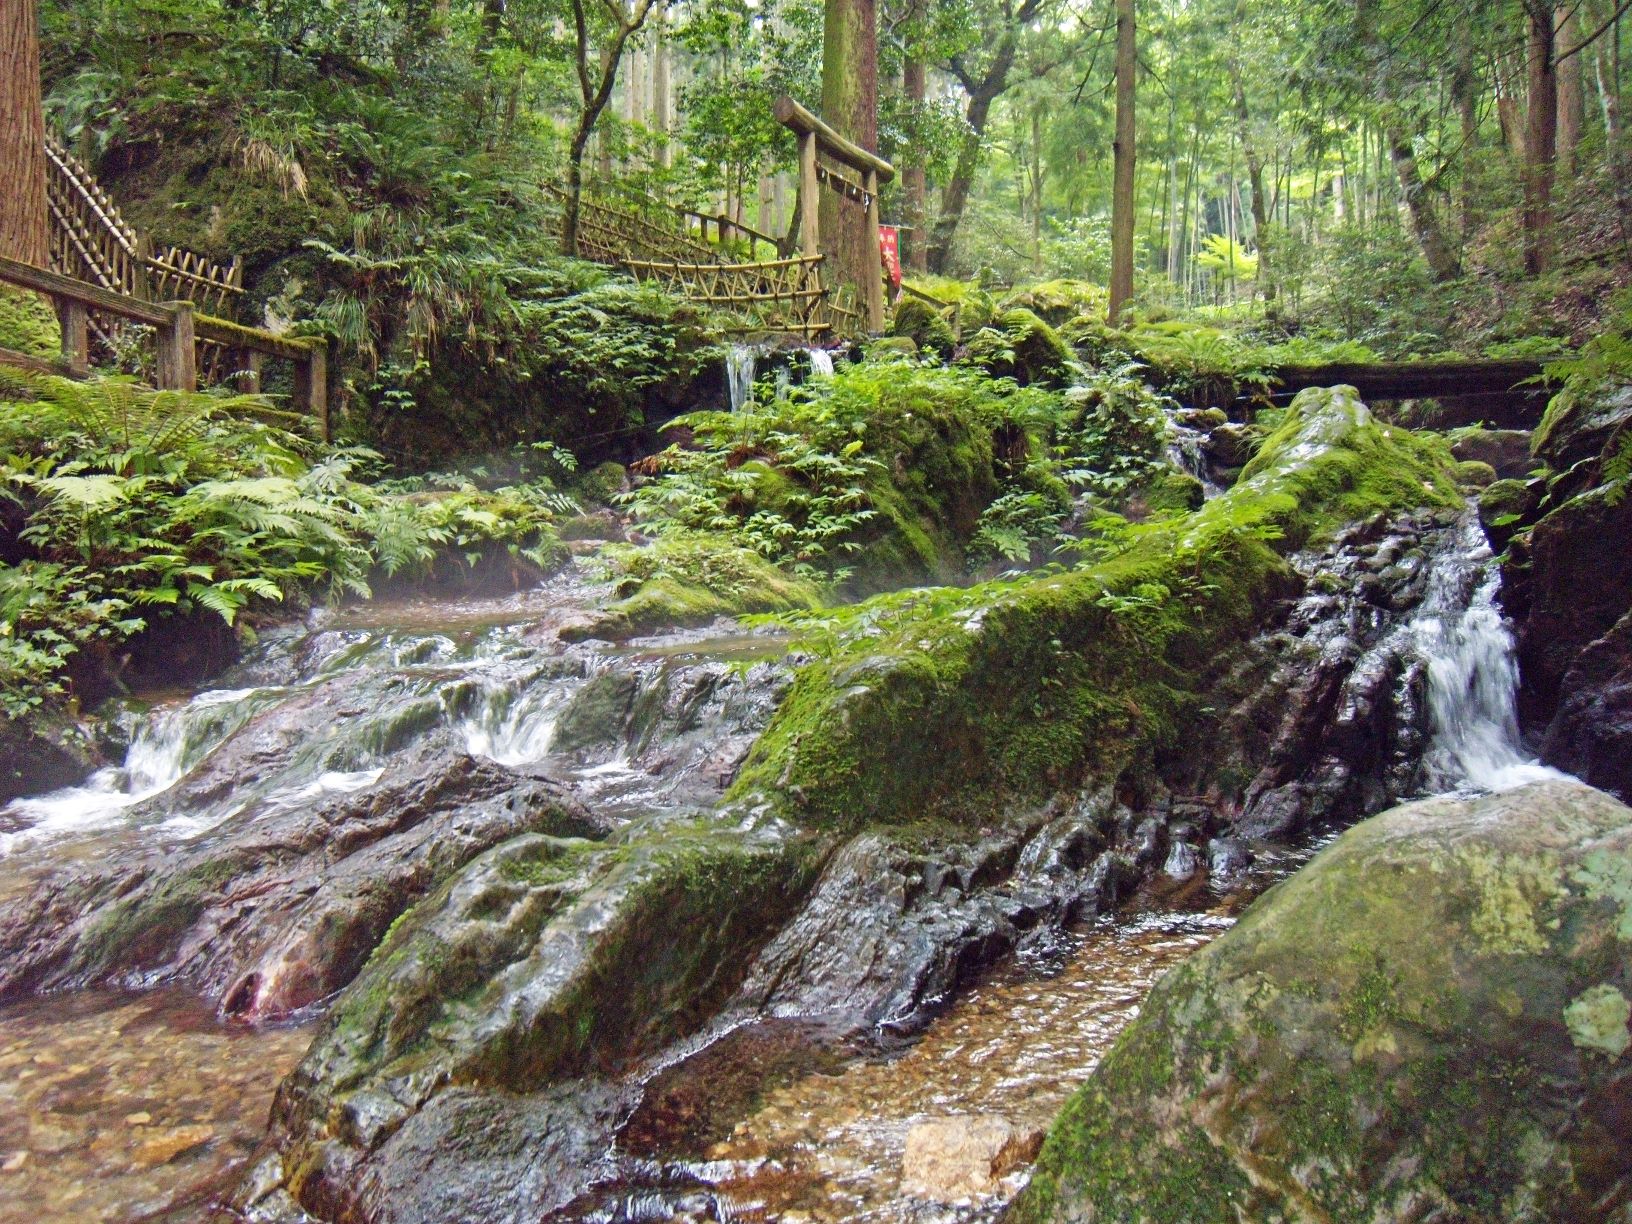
[1019, 345]
[27, 324]
[133, 504]
[1227, 259]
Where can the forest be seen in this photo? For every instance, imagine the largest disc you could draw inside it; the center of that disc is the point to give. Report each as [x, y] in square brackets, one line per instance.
[815, 611]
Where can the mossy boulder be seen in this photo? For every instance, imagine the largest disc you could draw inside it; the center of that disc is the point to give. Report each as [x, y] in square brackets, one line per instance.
[940, 701]
[1503, 505]
[685, 580]
[1019, 345]
[1058, 301]
[1427, 1022]
[918, 321]
[1475, 474]
[1581, 426]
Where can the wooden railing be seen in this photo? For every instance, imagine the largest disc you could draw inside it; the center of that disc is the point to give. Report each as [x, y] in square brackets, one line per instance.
[788, 294]
[725, 229]
[91, 241]
[179, 331]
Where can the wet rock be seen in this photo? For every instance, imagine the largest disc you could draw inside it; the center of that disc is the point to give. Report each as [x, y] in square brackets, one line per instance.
[1230, 446]
[1503, 507]
[273, 910]
[1577, 586]
[41, 754]
[1506, 451]
[956, 1158]
[543, 959]
[1428, 1021]
[1591, 734]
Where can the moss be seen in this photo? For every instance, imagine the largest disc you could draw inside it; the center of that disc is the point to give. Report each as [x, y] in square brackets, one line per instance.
[603, 482]
[28, 324]
[684, 580]
[1353, 1045]
[1175, 493]
[1475, 474]
[925, 326]
[1057, 301]
[1019, 345]
[940, 702]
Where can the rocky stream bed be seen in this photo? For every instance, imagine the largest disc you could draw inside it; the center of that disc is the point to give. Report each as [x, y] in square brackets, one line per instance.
[499, 921]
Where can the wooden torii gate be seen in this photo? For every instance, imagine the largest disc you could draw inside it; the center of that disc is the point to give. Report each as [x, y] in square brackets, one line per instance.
[815, 137]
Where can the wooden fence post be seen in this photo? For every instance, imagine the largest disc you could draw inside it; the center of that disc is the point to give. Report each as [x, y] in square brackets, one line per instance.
[74, 321]
[178, 359]
[312, 385]
[875, 282]
[246, 363]
[809, 201]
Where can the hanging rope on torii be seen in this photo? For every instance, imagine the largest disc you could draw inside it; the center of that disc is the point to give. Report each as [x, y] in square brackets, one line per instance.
[816, 139]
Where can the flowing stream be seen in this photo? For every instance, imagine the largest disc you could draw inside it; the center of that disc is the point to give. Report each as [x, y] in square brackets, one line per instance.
[1473, 678]
[127, 1104]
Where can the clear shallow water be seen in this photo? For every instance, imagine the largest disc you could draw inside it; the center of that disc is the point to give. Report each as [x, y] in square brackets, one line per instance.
[119, 1106]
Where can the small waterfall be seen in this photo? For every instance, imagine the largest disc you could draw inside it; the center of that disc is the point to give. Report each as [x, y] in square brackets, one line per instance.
[166, 744]
[821, 363]
[1184, 451]
[1473, 678]
[741, 360]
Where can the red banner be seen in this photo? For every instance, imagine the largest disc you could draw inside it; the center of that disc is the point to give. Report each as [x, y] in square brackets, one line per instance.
[889, 246]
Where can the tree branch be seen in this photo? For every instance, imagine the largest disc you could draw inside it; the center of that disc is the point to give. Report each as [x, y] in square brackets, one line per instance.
[1595, 35]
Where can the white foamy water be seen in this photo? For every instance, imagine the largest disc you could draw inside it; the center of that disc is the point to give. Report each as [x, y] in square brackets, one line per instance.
[515, 729]
[821, 362]
[165, 746]
[740, 363]
[1473, 677]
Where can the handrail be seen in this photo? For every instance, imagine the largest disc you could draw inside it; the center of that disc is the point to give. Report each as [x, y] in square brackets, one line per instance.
[179, 332]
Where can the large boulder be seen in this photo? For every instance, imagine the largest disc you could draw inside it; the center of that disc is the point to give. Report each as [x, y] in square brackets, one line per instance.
[1429, 1022]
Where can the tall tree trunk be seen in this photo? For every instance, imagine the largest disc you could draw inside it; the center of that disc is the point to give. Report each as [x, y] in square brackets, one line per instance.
[24, 228]
[1541, 137]
[662, 60]
[850, 104]
[955, 197]
[1036, 188]
[1122, 202]
[914, 186]
[1572, 98]
[1442, 261]
[594, 94]
[1465, 90]
[1255, 172]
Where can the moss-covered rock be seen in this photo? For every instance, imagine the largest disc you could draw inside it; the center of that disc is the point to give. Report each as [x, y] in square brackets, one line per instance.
[1428, 1021]
[938, 702]
[545, 957]
[1475, 474]
[684, 580]
[1058, 301]
[1019, 345]
[918, 321]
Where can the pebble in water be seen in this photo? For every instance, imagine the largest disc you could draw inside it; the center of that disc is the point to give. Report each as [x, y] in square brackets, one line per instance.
[122, 1106]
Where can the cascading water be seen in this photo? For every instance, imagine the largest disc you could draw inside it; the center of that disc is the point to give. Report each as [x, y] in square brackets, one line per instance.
[741, 362]
[1472, 675]
[1184, 451]
[821, 363]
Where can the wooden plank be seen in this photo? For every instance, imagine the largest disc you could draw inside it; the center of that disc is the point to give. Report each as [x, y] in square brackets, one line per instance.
[791, 115]
[235, 335]
[35, 365]
[1417, 379]
[58, 286]
[312, 387]
[809, 204]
